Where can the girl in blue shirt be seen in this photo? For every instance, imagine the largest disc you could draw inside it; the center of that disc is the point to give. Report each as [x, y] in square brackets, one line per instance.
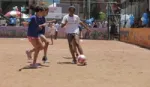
[35, 25]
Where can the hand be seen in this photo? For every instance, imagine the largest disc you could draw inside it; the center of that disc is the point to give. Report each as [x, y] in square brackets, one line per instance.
[41, 27]
[53, 20]
[88, 30]
[25, 24]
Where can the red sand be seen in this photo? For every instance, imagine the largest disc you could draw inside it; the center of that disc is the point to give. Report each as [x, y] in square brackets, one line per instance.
[110, 64]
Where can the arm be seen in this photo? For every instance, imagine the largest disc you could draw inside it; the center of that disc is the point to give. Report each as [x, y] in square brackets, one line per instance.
[47, 23]
[42, 25]
[25, 23]
[81, 23]
[52, 21]
[64, 22]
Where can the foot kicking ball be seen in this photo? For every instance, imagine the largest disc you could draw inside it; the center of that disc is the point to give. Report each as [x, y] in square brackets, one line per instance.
[81, 60]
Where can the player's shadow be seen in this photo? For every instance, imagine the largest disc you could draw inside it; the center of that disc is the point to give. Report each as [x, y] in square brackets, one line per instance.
[64, 63]
[31, 62]
[30, 67]
[67, 57]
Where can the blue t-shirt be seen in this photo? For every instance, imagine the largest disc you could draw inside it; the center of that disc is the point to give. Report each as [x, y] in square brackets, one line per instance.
[33, 29]
[42, 21]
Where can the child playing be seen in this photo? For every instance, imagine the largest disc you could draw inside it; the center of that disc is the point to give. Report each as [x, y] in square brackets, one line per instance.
[71, 21]
[33, 34]
[52, 29]
[41, 35]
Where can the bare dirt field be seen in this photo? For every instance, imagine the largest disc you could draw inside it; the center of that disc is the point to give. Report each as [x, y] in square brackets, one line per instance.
[110, 64]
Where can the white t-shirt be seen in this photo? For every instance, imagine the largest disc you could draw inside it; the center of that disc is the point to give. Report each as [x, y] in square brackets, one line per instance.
[57, 26]
[52, 29]
[72, 23]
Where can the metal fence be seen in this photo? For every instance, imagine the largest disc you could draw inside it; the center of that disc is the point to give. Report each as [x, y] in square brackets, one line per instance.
[132, 14]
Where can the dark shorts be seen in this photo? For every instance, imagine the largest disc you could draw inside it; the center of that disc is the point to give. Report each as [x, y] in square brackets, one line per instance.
[73, 37]
[80, 28]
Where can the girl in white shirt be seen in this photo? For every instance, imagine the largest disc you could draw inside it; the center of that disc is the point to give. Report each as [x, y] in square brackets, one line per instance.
[52, 29]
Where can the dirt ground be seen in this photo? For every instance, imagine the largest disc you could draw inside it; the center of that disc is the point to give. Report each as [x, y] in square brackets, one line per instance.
[110, 64]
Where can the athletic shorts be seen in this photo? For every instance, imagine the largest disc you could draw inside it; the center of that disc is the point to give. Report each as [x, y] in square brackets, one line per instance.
[73, 36]
[40, 34]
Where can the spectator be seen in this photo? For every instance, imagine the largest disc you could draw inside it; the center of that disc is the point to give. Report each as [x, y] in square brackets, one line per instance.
[12, 21]
[113, 30]
[94, 25]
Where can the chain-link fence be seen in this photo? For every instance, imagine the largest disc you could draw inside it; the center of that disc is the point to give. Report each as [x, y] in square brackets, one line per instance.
[135, 14]
[106, 13]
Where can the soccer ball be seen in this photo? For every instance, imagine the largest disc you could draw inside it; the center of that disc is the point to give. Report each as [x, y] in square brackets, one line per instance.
[81, 60]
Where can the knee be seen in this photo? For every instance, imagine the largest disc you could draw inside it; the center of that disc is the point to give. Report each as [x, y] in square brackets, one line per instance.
[70, 45]
[37, 49]
[47, 42]
[78, 45]
[40, 47]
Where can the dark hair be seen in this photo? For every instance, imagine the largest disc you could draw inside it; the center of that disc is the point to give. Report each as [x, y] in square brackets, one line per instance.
[45, 8]
[32, 7]
[72, 7]
[38, 8]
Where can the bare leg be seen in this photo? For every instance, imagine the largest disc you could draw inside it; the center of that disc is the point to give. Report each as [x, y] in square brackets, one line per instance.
[71, 46]
[51, 39]
[35, 56]
[78, 45]
[56, 34]
[44, 39]
[75, 48]
[37, 48]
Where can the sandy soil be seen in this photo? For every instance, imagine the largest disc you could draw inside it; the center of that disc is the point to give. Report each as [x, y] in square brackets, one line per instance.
[110, 64]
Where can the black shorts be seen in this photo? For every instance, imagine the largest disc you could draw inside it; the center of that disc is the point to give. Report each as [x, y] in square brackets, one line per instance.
[73, 36]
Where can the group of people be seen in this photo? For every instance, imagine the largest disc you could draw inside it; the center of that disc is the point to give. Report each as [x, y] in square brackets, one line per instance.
[37, 38]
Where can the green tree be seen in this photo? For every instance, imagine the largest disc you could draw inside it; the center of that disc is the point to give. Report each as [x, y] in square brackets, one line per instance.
[94, 11]
[102, 16]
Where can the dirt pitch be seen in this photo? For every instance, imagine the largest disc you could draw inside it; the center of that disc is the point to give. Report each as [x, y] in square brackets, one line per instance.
[110, 64]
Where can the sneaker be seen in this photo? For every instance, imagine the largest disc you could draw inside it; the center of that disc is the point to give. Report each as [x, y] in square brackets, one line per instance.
[74, 62]
[28, 55]
[77, 54]
[33, 65]
[44, 59]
